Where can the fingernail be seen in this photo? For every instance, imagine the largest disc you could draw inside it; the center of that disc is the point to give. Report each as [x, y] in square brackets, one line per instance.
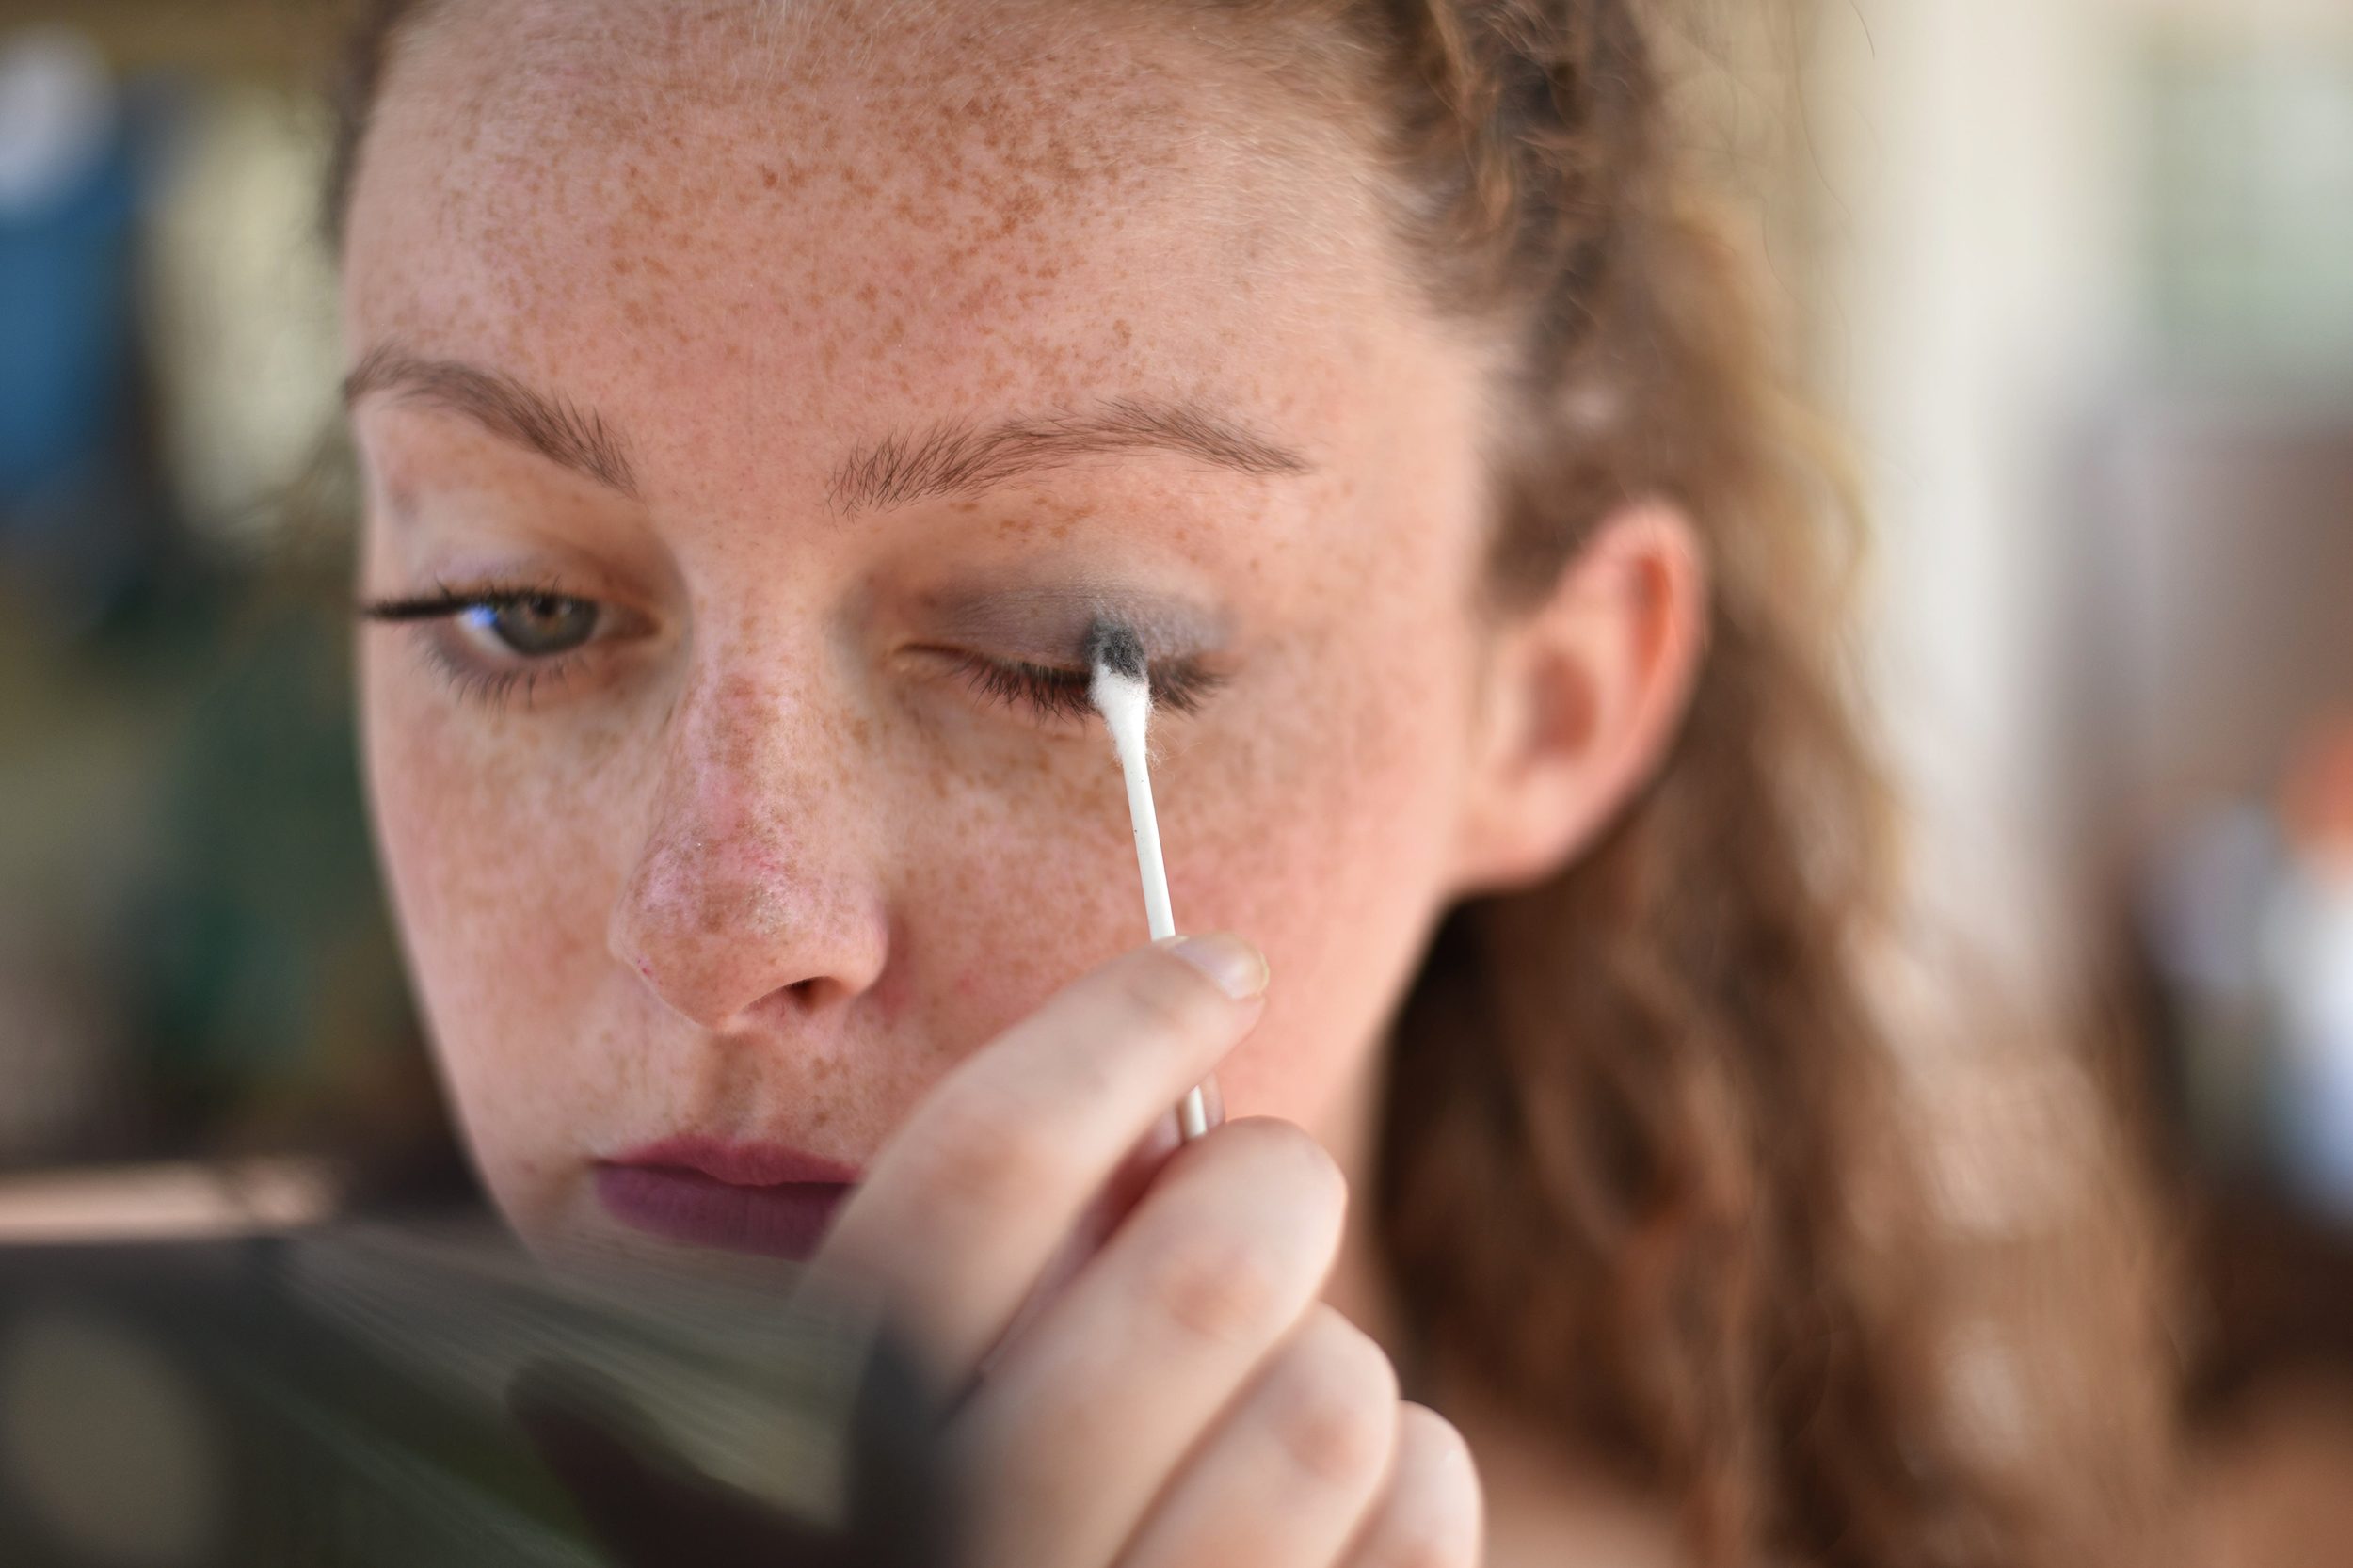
[1166, 1137]
[1212, 1110]
[1233, 966]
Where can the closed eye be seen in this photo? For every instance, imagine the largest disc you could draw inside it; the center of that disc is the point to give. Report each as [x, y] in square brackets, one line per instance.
[1049, 692]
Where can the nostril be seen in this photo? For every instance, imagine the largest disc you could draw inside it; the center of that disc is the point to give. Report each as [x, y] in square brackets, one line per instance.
[814, 991]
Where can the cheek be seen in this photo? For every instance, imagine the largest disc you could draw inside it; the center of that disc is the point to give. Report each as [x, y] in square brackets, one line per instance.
[501, 912]
[1317, 827]
[1329, 843]
[1323, 823]
[1008, 875]
[1310, 808]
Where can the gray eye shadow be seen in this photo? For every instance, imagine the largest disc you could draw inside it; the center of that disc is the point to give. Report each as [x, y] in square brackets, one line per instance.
[1050, 624]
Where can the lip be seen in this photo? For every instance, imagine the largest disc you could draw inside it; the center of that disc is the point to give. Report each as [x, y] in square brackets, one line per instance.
[765, 1198]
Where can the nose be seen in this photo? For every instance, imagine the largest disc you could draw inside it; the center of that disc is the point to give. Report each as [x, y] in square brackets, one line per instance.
[751, 897]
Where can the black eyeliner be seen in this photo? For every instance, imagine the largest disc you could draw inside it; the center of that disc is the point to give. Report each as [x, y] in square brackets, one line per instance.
[450, 601]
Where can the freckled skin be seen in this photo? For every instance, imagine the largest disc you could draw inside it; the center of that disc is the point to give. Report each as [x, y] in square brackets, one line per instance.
[763, 871]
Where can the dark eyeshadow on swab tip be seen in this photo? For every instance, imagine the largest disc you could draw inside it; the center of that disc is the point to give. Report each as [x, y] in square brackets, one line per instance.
[1116, 646]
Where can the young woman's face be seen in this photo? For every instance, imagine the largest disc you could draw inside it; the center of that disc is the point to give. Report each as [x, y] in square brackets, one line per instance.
[828, 372]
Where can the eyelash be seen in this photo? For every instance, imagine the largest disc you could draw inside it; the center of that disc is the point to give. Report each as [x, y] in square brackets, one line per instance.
[1178, 686]
[496, 688]
[472, 681]
[1050, 693]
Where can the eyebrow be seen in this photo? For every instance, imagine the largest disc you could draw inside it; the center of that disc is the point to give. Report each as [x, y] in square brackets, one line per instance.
[551, 427]
[950, 458]
[957, 458]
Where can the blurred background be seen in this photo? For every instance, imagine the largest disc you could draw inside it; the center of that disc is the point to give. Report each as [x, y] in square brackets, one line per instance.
[194, 962]
[2075, 277]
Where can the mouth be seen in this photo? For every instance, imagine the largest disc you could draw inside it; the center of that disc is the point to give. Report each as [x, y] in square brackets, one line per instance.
[763, 1198]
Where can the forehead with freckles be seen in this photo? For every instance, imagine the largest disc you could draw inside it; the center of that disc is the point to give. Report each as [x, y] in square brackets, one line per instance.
[740, 225]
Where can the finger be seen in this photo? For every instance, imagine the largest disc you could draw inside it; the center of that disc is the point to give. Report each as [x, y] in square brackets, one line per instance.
[1433, 1514]
[1290, 1474]
[1082, 1418]
[969, 1203]
[1103, 1215]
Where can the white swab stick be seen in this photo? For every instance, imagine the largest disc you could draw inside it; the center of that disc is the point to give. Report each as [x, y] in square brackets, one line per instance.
[1137, 767]
[1122, 692]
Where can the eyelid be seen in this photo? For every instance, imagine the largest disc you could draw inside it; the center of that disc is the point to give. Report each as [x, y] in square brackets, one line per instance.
[449, 599]
[1179, 685]
[1051, 693]
[1050, 625]
[494, 687]
[446, 602]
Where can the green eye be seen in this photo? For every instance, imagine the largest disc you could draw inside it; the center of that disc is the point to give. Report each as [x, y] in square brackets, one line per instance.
[533, 626]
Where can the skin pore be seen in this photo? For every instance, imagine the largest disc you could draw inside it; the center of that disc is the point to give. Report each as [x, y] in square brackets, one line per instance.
[838, 357]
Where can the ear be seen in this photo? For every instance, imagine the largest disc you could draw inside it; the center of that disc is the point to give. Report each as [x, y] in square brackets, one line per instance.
[1581, 696]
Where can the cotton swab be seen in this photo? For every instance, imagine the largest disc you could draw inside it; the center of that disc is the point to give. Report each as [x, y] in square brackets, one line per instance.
[1122, 692]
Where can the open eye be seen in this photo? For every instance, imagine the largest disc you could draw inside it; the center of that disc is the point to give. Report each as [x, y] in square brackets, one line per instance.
[493, 643]
[530, 625]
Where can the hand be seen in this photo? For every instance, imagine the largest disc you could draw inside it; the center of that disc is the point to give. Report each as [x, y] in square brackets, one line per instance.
[1183, 1398]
